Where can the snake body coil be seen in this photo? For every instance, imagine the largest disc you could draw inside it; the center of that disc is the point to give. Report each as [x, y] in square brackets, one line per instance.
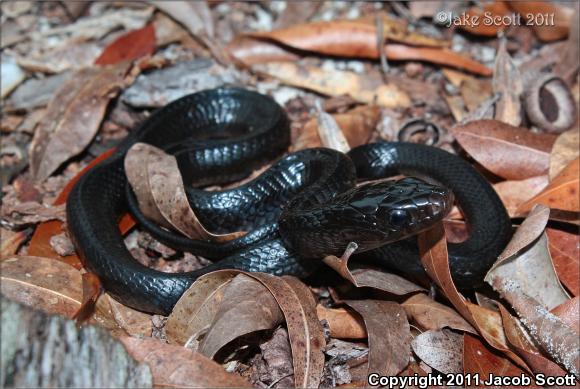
[304, 206]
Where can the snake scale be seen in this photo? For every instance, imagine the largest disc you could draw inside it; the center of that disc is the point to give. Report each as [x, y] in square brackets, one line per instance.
[305, 206]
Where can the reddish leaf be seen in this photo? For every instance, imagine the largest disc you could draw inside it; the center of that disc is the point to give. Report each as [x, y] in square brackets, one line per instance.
[562, 193]
[565, 250]
[480, 359]
[132, 45]
[440, 56]
[510, 152]
[343, 323]
[569, 312]
[92, 290]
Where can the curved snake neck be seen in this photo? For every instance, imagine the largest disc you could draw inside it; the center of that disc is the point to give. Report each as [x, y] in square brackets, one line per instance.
[304, 206]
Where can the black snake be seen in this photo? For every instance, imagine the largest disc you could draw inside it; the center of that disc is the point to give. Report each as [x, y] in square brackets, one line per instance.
[305, 206]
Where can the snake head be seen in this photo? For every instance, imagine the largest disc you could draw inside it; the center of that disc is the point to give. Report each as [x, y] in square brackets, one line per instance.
[399, 209]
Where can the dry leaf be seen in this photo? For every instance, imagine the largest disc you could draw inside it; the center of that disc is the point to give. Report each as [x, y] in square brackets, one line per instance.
[343, 323]
[526, 261]
[434, 257]
[552, 334]
[42, 283]
[440, 349]
[431, 315]
[177, 367]
[565, 251]
[357, 126]
[389, 335]
[157, 183]
[513, 153]
[564, 151]
[515, 193]
[130, 46]
[480, 359]
[247, 306]
[371, 278]
[508, 84]
[134, 323]
[440, 56]
[360, 87]
[561, 193]
[519, 339]
[346, 38]
[196, 308]
[492, 9]
[73, 117]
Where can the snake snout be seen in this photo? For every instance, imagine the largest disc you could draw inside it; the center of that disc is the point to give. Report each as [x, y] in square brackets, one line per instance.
[416, 205]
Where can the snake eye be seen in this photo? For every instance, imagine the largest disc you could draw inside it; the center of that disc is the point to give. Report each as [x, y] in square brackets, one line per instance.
[398, 218]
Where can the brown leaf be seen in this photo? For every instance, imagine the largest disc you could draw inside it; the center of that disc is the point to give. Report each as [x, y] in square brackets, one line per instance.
[178, 367]
[440, 349]
[389, 335]
[361, 87]
[387, 282]
[513, 153]
[330, 133]
[295, 301]
[564, 151]
[565, 251]
[434, 257]
[518, 339]
[132, 45]
[31, 212]
[92, 290]
[569, 312]
[195, 310]
[440, 56]
[480, 359]
[431, 315]
[526, 262]
[515, 193]
[343, 323]
[156, 181]
[556, 338]
[561, 193]
[42, 283]
[357, 126]
[305, 331]
[346, 38]
[247, 306]
[74, 115]
[508, 84]
[547, 31]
